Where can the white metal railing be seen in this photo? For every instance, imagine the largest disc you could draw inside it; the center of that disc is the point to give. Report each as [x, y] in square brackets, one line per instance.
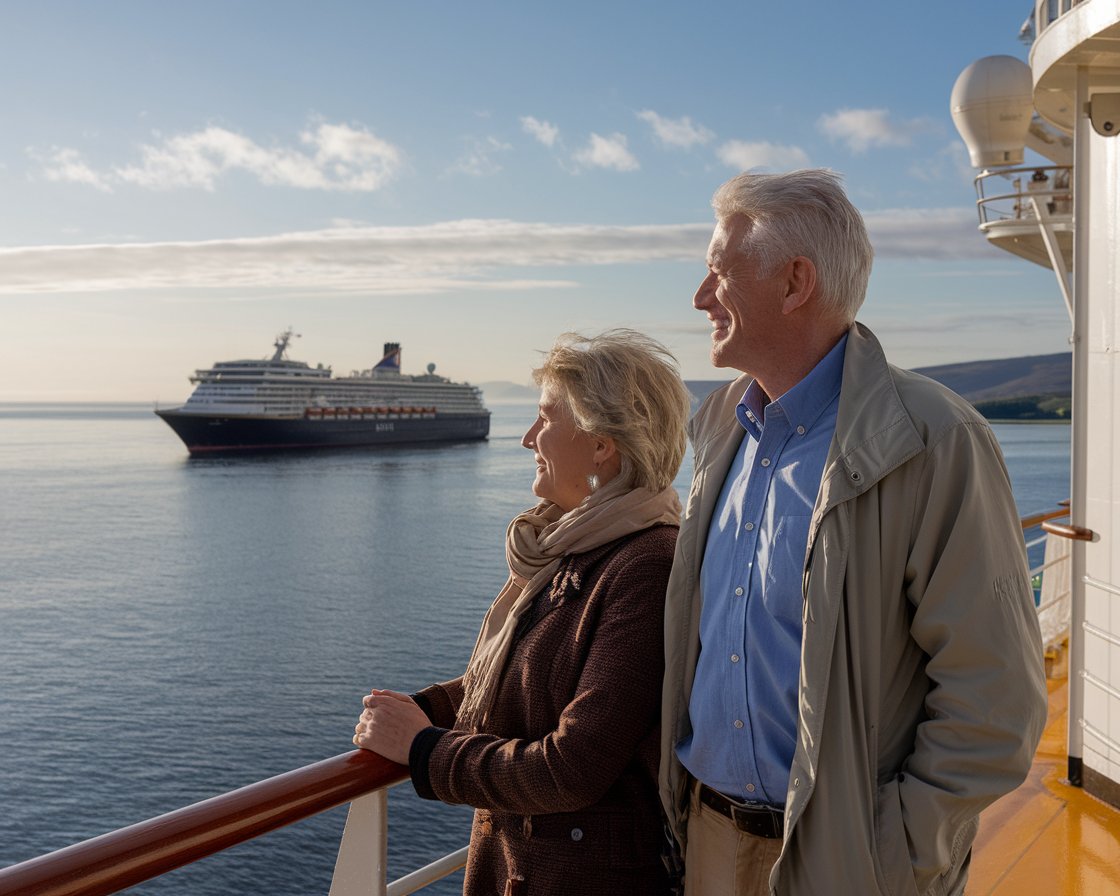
[1052, 577]
[1035, 190]
[1046, 12]
[360, 869]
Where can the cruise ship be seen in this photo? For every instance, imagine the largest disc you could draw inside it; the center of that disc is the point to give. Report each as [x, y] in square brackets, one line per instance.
[277, 404]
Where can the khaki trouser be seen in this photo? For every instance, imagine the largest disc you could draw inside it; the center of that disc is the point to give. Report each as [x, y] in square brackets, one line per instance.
[723, 861]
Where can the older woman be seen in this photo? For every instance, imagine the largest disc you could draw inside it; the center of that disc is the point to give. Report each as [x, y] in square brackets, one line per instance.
[552, 731]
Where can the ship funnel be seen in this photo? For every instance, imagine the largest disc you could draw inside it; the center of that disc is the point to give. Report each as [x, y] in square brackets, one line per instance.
[391, 359]
[992, 106]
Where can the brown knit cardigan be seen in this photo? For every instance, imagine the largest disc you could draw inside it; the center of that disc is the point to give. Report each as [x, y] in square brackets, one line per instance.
[564, 779]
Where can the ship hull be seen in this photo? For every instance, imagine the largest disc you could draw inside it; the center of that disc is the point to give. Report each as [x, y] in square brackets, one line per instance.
[205, 434]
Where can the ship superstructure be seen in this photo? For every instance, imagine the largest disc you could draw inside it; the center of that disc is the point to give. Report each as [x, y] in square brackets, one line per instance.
[1064, 105]
[277, 403]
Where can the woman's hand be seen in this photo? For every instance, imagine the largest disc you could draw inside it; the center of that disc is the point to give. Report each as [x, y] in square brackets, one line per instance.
[389, 724]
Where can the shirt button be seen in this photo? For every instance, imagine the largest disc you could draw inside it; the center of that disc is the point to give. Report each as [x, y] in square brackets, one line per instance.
[801, 430]
[750, 788]
[738, 592]
[734, 657]
[738, 723]
[577, 835]
[749, 527]
[765, 461]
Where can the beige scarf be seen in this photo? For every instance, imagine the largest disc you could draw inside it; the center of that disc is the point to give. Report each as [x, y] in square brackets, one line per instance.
[536, 541]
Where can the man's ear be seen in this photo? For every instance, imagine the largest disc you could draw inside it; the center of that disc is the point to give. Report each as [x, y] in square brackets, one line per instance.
[801, 282]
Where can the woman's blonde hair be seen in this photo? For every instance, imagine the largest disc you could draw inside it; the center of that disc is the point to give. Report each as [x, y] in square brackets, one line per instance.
[624, 385]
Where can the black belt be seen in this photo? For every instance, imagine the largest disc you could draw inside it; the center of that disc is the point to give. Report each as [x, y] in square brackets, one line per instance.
[756, 819]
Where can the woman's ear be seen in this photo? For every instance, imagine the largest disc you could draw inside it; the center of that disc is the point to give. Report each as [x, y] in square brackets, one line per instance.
[605, 450]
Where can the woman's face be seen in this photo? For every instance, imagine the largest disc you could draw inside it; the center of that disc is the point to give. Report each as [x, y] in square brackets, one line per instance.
[565, 454]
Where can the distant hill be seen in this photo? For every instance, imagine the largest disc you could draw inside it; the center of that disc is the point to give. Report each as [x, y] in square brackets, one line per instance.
[1029, 387]
[499, 392]
[980, 381]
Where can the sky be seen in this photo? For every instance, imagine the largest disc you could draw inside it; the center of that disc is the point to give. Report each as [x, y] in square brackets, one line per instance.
[180, 183]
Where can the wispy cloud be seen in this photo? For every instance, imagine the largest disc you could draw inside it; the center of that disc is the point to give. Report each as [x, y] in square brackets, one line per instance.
[454, 255]
[607, 152]
[746, 156]
[945, 234]
[862, 129]
[458, 255]
[951, 161]
[334, 157]
[66, 166]
[481, 157]
[676, 132]
[543, 131]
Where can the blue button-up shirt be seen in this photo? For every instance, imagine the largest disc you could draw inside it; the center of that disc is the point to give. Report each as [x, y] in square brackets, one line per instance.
[744, 698]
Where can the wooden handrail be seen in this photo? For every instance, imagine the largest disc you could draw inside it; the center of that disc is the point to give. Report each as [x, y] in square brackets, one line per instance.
[121, 859]
[1075, 533]
[1036, 519]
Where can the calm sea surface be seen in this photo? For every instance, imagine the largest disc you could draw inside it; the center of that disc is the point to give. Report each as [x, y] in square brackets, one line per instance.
[171, 629]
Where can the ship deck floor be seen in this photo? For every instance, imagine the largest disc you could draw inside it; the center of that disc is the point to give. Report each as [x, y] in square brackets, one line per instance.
[1048, 837]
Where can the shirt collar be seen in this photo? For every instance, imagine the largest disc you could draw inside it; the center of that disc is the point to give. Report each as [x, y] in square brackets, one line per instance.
[804, 403]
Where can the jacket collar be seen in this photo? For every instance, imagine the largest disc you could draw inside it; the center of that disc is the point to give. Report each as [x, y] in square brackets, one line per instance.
[874, 435]
[874, 432]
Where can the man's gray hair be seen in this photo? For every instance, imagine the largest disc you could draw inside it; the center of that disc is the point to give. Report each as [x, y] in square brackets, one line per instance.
[805, 213]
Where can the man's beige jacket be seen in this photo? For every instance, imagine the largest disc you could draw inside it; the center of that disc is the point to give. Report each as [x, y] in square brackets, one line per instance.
[922, 693]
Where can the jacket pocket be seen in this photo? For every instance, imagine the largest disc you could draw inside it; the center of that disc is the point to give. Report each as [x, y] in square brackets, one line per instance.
[892, 848]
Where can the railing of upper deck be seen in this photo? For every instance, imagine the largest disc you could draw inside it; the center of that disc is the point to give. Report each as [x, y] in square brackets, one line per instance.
[1047, 11]
[1046, 188]
[121, 859]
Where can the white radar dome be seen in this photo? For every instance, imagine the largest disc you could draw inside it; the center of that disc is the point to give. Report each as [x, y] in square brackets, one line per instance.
[992, 107]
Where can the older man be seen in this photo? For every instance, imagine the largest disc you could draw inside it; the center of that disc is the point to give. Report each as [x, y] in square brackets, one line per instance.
[853, 663]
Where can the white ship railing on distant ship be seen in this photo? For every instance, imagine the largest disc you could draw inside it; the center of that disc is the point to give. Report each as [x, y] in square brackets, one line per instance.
[121, 859]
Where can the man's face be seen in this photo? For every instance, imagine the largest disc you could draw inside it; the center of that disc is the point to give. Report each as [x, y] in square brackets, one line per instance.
[744, 308]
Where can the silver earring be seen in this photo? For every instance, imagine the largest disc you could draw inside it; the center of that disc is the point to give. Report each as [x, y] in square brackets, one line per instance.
[593, 482]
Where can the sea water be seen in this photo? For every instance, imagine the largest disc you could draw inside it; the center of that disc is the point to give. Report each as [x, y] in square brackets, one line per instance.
[175, 628]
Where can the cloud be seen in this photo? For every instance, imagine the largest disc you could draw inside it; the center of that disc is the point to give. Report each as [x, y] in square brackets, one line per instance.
[66, 166]
[947, 234]
[334, 157]
[744, 156]
[862, 129]
[607, 152]
[460, 255]
[951, 161]
[543, 131]
[480, 158]
[455, 255]
[678, 132]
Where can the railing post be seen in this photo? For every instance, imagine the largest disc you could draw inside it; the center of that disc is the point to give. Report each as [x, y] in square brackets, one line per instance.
[363, 854]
